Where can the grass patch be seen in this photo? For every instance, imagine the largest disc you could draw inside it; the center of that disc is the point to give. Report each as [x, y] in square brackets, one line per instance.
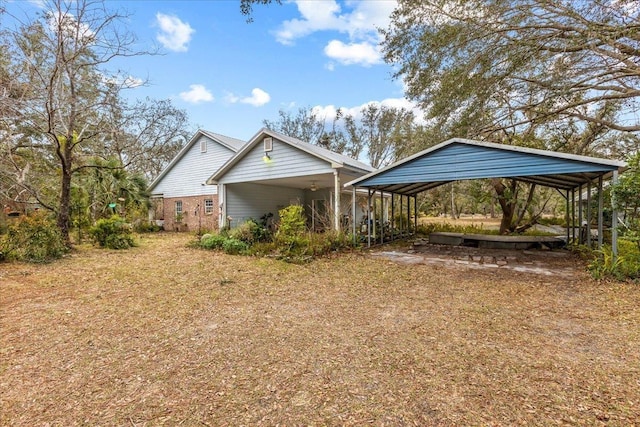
[164, 334]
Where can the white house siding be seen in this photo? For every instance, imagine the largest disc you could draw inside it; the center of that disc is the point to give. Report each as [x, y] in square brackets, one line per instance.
[286, 161]
[186, 177]
[246, 200]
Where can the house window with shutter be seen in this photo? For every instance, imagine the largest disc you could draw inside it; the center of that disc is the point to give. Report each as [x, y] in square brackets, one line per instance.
[203, 145]
[208, 206]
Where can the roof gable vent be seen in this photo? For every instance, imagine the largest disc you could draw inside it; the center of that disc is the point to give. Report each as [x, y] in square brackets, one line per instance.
[268, 143]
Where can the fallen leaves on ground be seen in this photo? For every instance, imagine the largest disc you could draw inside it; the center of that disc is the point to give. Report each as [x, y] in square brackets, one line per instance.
[164, 334]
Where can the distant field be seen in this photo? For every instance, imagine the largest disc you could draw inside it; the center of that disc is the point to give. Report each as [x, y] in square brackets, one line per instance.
[163, 334]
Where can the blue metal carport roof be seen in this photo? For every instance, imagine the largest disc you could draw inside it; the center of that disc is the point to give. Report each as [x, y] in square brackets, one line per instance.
[464, 159]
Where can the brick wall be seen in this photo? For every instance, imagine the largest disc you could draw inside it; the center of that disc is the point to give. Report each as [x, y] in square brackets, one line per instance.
[191, 207]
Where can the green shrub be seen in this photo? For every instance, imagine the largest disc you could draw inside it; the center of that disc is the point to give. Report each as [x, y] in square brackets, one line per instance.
[146, 227]
[212, 241]
[262, 249]
[250, 232]
[33, 238]
[292, 243]
[293, 224]
[112, 233]
[234, 246]
[229, 245]
[625, 266]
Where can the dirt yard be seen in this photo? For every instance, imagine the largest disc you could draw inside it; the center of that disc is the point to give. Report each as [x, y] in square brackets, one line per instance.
[167, 335]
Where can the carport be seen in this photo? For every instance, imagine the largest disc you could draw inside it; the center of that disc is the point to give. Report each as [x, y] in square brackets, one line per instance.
[460, 159]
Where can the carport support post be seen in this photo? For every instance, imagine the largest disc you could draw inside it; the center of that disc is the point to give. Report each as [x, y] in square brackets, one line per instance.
[614, 217]
[573, 215]
[568, 217]
[381, 217]
[415, 213]
[400, 215]
[600, 213]
[336, 200]
[580, 214]
[353, 213]
[408, 215]
[392, 216]
[589, 214]
[368, 217]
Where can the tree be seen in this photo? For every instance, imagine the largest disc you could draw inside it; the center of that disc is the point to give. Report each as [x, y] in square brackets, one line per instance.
[246, 6]
[625, 195]
[381, 133]
[552, 75]
[304, 125]
[65, 110]
[145, 135]
[537, 60]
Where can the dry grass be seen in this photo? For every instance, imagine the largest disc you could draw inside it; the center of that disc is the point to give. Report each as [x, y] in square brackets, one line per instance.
[477, 220]
[167, 335]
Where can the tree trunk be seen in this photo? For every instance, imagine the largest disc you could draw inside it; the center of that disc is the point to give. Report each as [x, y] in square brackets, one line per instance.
[63, 220]
[507, 198]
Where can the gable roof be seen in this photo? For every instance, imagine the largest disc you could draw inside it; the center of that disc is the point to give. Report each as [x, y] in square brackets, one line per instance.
[336, 160]
[232, 144]
[462, 159]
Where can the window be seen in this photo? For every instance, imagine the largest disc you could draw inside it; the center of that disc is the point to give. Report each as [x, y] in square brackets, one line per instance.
[178, 210]
[203, 145]
[208, 206]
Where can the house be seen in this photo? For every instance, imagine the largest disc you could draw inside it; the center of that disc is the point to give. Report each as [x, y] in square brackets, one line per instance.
[180, 197]
[273, 171]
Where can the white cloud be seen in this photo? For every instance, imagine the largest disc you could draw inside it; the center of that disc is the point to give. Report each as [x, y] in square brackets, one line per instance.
[258, 98]
[316, 16]
[363, 53]
[174, 34]
[359, 21]
[231, 98]
[196, 94]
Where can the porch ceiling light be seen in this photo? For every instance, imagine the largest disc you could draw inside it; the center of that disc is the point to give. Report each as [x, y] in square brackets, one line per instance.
[313, 186]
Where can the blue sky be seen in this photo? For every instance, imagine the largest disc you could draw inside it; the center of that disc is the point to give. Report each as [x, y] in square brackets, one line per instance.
[230, 75]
